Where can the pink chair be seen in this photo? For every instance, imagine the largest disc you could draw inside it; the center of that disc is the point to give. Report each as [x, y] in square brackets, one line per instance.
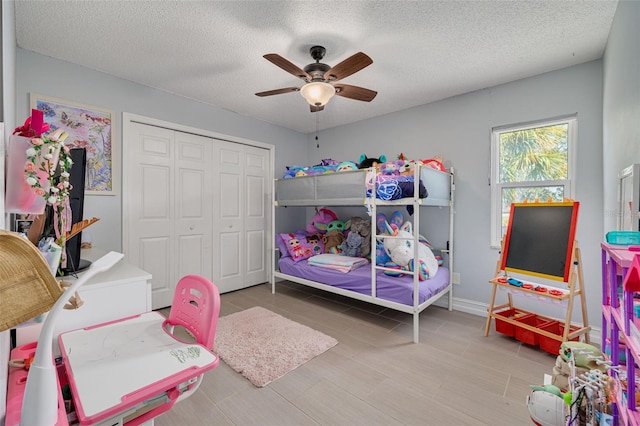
[196, 306]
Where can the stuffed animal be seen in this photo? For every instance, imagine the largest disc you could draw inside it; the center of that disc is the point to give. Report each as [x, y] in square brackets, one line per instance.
[382, 258]
[435, 162]
[362, 227]
[366, 162]
[334, 225]
[328, 162]
[396, 220]
[352, 246]
[401, 252]
[292, 171]
[332, 241]
[346, 166]
[323, 216]
[584, 355]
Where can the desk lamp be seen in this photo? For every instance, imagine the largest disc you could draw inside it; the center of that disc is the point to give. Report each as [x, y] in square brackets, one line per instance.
[40, 403]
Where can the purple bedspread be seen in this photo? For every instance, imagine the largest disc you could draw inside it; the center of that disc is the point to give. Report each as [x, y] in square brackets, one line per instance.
[395, 289]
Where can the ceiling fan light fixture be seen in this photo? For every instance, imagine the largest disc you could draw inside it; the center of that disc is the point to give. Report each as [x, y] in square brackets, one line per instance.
[317, 93]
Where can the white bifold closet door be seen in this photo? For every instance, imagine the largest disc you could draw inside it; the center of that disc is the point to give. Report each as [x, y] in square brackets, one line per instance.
[195, 205]
[240, 212]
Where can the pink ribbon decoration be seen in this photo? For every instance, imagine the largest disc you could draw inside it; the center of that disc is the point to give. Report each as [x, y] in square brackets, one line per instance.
[33, 126]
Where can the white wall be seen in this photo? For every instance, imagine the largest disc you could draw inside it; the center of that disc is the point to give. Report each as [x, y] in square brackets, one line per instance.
[459, 129]
[59, 79]
[621, 103]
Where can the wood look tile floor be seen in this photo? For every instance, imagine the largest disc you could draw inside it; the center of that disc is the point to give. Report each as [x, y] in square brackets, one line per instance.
[375, 375]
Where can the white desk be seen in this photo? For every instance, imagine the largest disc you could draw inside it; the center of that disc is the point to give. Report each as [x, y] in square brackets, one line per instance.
[122, 291]
[120, 367]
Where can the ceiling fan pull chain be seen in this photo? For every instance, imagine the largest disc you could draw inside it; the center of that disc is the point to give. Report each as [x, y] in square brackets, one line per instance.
[317, 119]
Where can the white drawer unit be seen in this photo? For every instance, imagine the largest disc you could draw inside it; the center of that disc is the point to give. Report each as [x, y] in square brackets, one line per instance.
[122, 291]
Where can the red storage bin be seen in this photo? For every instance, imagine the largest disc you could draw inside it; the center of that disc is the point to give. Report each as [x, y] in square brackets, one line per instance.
[505, 327]
[551, 345]
[528, 336]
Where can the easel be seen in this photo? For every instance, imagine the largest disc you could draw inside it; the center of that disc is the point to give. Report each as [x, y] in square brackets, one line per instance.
[540, 242]
[575, 286]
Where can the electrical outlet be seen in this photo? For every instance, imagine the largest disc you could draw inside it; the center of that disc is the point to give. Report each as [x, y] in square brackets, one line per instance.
[456, 278]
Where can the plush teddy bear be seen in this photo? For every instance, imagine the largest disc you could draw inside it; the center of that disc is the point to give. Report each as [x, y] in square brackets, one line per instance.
[400, 250]
[362, 227]
[332, 241]
[352, 245]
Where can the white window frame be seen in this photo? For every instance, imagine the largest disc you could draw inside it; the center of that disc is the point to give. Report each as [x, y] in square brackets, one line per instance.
[497, 187]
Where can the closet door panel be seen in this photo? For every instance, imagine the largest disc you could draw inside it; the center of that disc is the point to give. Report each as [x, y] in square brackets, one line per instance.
[149, 208]
[151, 249]
[229, 189]
[230, 272]
[256, 219]
[194, 217]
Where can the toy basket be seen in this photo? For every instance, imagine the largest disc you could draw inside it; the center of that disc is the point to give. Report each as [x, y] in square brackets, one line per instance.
[530, 337]
[552, 345]
[505, 327]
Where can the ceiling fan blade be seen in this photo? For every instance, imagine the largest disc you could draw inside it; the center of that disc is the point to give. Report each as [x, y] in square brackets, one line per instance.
[347, 67]
[316, 108]
[278, 91]
[355, 92]
[287, 66]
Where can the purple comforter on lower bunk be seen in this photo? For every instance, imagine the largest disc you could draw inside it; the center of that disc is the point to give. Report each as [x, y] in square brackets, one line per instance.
[395, 289]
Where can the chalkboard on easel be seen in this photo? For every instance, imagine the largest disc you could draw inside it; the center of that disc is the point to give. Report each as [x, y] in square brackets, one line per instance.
[540, 239]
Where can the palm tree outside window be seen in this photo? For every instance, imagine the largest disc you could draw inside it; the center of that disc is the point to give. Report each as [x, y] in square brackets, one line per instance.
[530, 162]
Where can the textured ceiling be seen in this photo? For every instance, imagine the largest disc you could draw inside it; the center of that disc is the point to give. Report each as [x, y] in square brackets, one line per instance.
[211, 51]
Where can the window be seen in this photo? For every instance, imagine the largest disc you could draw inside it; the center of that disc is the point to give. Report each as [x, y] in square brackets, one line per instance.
[530, 162]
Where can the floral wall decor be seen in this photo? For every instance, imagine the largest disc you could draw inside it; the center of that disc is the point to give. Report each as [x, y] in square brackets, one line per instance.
[88, 127]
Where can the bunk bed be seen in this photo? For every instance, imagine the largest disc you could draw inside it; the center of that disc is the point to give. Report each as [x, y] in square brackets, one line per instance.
[408, 294]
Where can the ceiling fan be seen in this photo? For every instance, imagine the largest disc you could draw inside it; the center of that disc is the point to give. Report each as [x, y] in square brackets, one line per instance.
[320, 78]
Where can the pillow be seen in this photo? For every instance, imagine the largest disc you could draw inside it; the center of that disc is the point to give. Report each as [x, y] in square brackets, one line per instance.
[302, 246]
[282, 246]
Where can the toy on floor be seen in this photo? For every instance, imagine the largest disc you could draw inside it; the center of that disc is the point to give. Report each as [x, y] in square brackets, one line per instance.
[546, 406]
[584, 356]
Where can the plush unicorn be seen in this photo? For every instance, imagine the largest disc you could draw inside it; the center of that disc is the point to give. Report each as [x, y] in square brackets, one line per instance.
[400, 250]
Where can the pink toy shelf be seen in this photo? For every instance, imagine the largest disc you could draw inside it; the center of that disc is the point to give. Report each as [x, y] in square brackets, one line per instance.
[620, 282]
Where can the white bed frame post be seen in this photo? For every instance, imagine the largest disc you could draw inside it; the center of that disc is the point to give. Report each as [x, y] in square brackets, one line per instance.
[275, 254]
[450, 248]
[415, 202]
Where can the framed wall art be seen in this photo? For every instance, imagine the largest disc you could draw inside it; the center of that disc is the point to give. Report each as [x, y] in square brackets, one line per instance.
[88, 127]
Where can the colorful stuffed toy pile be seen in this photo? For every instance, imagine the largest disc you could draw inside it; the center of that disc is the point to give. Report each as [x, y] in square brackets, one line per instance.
[399, 167]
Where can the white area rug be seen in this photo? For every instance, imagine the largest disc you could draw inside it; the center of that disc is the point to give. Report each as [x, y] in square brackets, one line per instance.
[264, 346]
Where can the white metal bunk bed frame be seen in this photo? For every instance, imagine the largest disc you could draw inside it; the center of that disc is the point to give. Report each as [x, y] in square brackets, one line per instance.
[373, 203]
